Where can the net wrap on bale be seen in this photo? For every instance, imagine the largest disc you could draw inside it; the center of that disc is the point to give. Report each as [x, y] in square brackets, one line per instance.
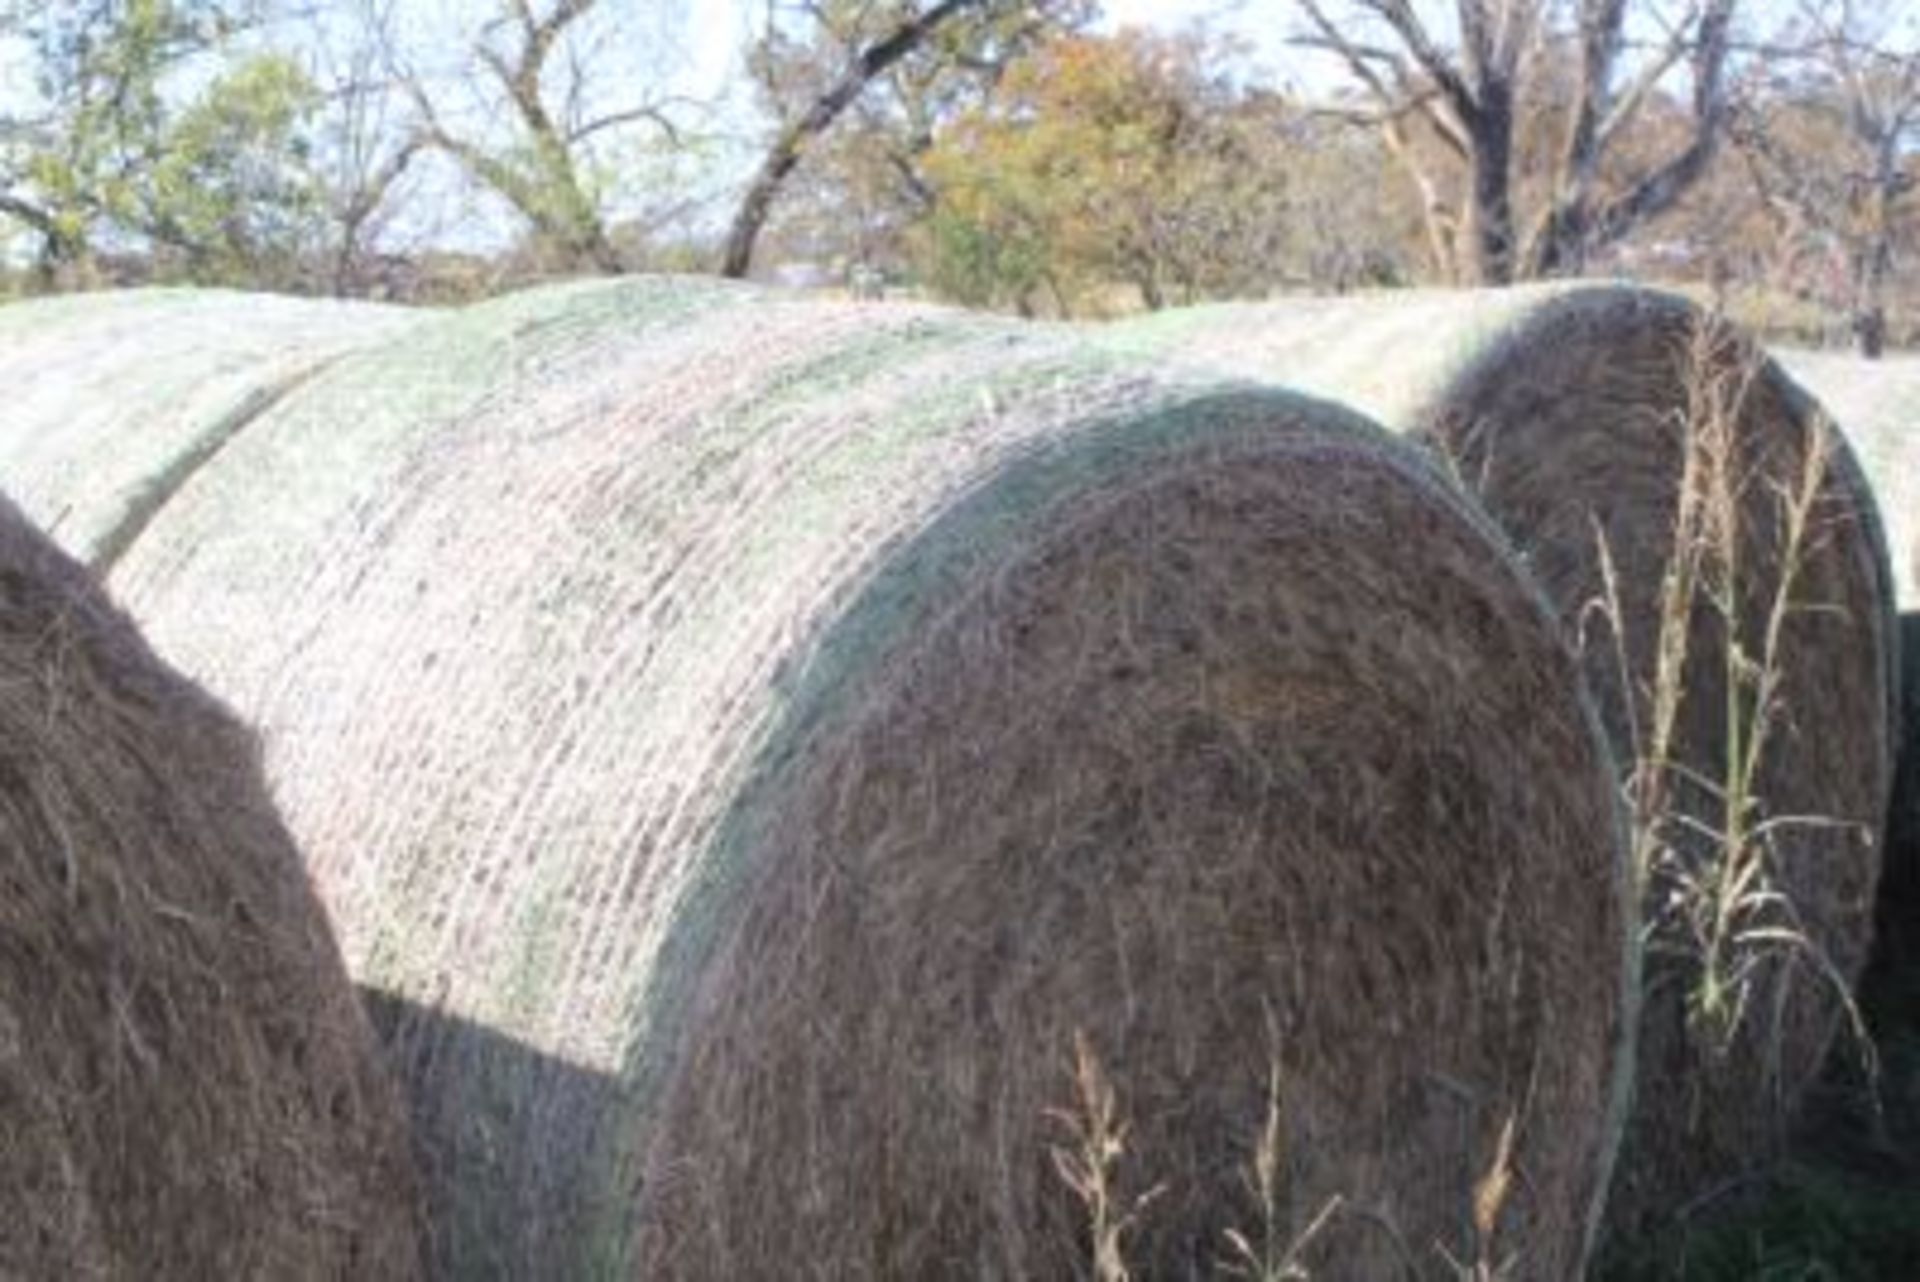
[1578, 415]
[750, 742]
[187, 1086]
[114, 398]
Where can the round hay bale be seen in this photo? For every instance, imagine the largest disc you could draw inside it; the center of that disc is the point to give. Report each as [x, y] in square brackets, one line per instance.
[187, 1086]
[754, 741]
[114, 398]
[1892, 987]
[1878, 402]
[1575, 415]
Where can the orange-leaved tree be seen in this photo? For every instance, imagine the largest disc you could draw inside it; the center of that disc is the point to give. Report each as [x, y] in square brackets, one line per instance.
[1122, 161]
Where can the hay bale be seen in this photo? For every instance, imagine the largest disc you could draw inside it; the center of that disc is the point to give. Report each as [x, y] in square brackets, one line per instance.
[187, 1087]
[746, 739]
[1891, 994]
[1567, 411]
[113, 399]
[1878, 402]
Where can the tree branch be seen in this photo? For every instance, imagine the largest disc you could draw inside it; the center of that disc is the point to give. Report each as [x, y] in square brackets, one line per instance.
[871, 63]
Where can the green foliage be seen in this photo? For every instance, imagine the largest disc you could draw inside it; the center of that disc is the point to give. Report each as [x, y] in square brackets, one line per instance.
[154, 135]
[988, 258]
[861, 190]
[1109, 160]
[230, 189]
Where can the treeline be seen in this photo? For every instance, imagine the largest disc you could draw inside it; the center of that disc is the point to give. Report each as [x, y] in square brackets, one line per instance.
[1002, 153]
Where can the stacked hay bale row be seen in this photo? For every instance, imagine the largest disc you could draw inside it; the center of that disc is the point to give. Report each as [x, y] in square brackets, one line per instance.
[187, 1087]
[799, 727]
[1618, 436]
[750, 743]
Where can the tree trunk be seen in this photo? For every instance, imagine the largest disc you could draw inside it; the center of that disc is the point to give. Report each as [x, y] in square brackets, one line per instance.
[757, 204]
[781, 159]
[1871, 267]
[1490, 214]
[62, 254]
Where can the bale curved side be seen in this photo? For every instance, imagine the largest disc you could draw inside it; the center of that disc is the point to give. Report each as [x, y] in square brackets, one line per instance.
[113, 399]
[187, 1087]
[1567, 411]
[1891, 987]
[1878, 402]
[592, 629]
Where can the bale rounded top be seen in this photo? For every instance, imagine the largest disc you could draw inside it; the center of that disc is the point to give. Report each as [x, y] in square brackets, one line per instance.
[187, 1087]
[113, 398]
[546, 609]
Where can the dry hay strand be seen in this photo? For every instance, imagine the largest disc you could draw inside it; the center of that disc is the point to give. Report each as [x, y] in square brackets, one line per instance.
[749, 740]
[113, 399]
[187, 1087]
[1578, 416]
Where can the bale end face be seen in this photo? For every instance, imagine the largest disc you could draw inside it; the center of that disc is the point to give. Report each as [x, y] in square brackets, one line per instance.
[1712, 541]
[1250, 797]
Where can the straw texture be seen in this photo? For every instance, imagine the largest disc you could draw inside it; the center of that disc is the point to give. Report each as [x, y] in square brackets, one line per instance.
[1567, 411]
[794, 725]
[187, 1086]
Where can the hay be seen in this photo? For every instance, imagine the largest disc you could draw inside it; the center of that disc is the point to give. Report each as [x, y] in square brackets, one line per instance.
[1892, 986]
[1878, 402]
[187, 1088]
[745, 739]
[1564, 410]
[114, 399]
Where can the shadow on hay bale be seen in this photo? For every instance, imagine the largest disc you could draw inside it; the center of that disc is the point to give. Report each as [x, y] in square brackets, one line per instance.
[476, 1099]
[814, 718]
[187, 1089]
[1572, 412]
[1878, 402]
[1890, 989]
[1893, 996]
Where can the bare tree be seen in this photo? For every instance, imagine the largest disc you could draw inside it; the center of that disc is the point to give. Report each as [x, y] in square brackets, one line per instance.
[530, 151]
[369, 143]
[1471, 96]
[1828, 149]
